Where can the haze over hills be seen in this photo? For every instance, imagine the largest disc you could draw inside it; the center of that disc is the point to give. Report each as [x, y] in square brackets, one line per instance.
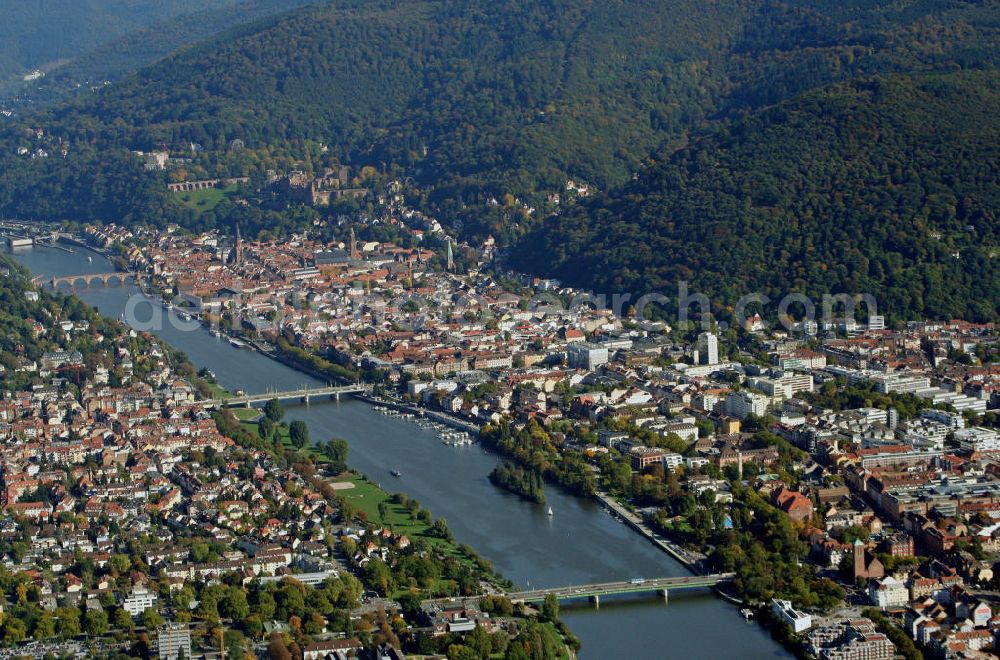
[478, 103]
[40, 34]
[98, 42]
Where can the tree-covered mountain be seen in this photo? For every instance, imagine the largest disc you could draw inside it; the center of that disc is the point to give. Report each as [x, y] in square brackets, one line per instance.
[101, 42]
[884, 185]
[475, 100]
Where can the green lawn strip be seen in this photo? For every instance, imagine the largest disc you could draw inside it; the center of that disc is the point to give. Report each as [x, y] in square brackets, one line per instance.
[246, 414]
[367, 496]
[243, 413]
[204, 200]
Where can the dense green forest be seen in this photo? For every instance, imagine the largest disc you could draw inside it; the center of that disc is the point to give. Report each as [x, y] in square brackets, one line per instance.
[885, 185]
[685, 118]
[45, 33]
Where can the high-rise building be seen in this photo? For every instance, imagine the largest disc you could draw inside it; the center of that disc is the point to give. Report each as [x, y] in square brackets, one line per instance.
[708, 348]
[173, 641]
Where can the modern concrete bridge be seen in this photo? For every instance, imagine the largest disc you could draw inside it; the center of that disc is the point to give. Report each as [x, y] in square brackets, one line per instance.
[639, 585]
[304, 395]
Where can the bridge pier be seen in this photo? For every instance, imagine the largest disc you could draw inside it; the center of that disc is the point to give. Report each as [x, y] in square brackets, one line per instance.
[305, 399]
[596, 600]
[666, 595]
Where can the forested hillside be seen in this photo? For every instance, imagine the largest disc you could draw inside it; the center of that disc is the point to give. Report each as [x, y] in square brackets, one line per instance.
[886, 185]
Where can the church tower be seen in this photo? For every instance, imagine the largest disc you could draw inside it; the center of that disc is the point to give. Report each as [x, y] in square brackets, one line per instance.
[239, 246]
[860, 568]
[354, 245]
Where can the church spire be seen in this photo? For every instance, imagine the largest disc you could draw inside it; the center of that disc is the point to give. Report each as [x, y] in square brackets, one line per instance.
[239, 246]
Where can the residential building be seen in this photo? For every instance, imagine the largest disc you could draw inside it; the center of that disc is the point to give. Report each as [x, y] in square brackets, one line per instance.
[978, 439]
[743, 404]
[950, 419]
[586, 355]
[888, 593]
[797, 506]
[173, 641]
[139, 601]
[708, 348]
[334, 648]
[850, 639]
[643, 457]
[799, 621]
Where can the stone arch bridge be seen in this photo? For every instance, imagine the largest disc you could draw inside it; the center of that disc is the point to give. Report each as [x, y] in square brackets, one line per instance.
[89, 279]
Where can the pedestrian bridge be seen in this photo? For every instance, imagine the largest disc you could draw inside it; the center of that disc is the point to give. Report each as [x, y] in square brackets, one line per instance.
[303, 394]
[595, 591]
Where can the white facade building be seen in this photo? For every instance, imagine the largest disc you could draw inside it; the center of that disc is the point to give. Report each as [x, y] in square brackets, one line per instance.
[173, 641]
[586, 355]
[708, 348]
[743, 404]
[950, 419]
[978, 438]
[890, 592]
[799, 621]
[139, 601]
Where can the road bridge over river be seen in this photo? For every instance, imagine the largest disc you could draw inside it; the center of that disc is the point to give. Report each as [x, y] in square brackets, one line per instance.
[303, 394]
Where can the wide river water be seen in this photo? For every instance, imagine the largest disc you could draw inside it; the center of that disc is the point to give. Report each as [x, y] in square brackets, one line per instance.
[579, 544]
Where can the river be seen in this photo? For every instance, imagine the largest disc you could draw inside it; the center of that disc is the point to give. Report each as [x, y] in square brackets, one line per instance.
[579, 544]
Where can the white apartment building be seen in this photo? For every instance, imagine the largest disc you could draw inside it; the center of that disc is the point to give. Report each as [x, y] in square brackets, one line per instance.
[708, 348]
[586, 355]
[949, 419]
[888, 383]
[978, 438]
[742, 404]
[890, 592]
[139, 601]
